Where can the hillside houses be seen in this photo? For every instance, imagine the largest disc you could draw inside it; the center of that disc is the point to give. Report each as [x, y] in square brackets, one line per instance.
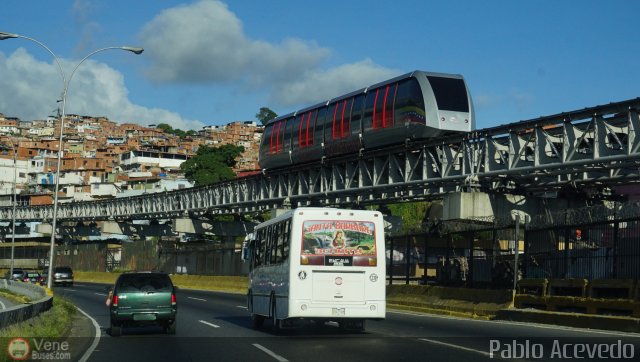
[103, 159]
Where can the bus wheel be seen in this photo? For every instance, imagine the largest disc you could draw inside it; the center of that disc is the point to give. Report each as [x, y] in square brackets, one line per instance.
[257, 321]
[274, 319]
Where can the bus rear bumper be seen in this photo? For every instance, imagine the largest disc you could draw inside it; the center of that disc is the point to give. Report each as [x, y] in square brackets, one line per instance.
[370, 310]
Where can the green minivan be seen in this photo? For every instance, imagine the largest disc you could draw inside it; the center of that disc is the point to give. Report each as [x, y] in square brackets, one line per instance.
[140, 298]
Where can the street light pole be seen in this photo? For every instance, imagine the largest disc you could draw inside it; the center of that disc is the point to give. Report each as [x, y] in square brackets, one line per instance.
[13, 214]
[65, 90]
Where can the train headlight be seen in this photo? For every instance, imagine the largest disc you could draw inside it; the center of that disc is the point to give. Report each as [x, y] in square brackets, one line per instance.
[442, 119]
[373, 277]
[372, 307]
[303, 307]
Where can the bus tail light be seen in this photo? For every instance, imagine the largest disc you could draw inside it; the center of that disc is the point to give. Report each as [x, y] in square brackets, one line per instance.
[304, 260]
[372, 308]
[373, 261]
[373, 277]
[303, 307]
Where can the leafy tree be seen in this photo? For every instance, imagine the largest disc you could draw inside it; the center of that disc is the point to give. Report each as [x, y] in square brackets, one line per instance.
[265, 115]
[211, 164]
[165, 127]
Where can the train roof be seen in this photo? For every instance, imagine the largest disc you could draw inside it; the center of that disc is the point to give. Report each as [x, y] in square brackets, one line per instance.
[279, 118]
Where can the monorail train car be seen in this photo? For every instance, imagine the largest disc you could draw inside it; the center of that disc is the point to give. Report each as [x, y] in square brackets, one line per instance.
[416, 105]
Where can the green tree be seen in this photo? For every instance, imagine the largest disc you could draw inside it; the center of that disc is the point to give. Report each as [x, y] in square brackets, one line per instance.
[165, 127]
[265, 115]
[211, 164]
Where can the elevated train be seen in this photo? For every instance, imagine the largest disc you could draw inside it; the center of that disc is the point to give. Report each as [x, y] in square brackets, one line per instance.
[416, 105]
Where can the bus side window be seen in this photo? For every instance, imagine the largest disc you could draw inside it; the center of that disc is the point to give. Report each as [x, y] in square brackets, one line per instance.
[287, 240]
[257, 252]
[267, 241]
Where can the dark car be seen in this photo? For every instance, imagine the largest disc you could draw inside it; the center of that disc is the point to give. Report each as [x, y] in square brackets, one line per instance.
[140, 298]
[62, 275]
[32, 277]
[18, 274]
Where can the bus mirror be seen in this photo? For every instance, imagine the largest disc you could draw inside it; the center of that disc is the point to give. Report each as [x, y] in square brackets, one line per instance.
[246, 254]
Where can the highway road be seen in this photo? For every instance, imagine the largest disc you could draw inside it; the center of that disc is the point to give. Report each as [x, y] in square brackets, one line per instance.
[215, 326]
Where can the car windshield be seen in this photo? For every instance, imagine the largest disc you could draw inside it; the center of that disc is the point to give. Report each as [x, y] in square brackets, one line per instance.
[144, 283]
[63, 270]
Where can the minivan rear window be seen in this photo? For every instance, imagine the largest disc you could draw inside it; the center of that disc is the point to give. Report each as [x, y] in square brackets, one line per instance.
[144, 282]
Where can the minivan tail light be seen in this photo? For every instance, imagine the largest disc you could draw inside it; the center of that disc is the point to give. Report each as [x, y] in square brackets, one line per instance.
[173, 299]
[114, 302]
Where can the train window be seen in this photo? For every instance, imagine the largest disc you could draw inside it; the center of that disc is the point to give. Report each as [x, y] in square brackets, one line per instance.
[390, 92]
[320, 120]
[409, 104]
[378, 103]
[356, 114]
[305, 125]
[382, 109]
[368, 110]
[297, 125]
[451, 94]
[288, 130]
[341, 116]
[268, 133]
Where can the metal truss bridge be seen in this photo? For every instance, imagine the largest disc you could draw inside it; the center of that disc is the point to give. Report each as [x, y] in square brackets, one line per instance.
[595, 148]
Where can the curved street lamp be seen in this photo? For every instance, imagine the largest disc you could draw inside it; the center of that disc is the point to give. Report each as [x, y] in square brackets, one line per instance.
[65, 90]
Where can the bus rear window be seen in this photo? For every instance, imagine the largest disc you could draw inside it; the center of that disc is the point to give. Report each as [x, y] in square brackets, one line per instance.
[338, 243]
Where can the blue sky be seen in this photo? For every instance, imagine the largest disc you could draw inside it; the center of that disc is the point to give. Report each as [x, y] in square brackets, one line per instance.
[213, 62]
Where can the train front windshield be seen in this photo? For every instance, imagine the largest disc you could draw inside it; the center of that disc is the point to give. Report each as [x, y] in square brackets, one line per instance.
[451, 93]
[338, 243]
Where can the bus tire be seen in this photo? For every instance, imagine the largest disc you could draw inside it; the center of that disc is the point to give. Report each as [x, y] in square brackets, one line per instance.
[257, 321]
[274, 317]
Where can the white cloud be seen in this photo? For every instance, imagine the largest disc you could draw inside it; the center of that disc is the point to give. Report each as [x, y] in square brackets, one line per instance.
[29, 89]
[204, 42]
[318, 85]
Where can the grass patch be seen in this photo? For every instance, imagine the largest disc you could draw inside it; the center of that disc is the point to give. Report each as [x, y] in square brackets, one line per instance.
[12, 296]
[56, 322]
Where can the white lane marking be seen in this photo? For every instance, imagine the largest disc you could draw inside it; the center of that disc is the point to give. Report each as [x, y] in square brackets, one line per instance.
[2, 304]
[71, 290]
[241, 306]
[96, 339]
[200, 299]
[209, 324]
[102, 294]
[486, 354]
[524, 324]
[270, 353]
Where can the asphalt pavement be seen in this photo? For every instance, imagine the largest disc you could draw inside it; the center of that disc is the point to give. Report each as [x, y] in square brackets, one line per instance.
[215, 326]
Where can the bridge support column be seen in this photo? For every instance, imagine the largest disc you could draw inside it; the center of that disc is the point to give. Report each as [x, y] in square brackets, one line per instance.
[141, 230]
[222, 228]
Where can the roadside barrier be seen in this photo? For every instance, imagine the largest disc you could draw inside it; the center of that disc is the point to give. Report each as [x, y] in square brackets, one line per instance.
[40, 302]
[613, 297]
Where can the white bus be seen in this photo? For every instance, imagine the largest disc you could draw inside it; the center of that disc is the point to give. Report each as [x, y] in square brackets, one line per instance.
[317, 264]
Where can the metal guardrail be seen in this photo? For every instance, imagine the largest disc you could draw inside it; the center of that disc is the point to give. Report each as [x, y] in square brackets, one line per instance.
[41, 302]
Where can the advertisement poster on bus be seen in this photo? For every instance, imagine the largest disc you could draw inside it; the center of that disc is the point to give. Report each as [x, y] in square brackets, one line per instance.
[338, 243]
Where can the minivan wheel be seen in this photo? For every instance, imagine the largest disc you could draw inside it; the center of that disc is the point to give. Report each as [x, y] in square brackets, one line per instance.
[116, 330]
[170, 327]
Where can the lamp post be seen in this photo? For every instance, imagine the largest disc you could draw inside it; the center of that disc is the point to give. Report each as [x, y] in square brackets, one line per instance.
[65, 90]
[13, 214]
[15, 201]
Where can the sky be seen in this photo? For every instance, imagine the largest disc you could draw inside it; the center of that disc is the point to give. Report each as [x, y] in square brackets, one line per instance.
[210, 62]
